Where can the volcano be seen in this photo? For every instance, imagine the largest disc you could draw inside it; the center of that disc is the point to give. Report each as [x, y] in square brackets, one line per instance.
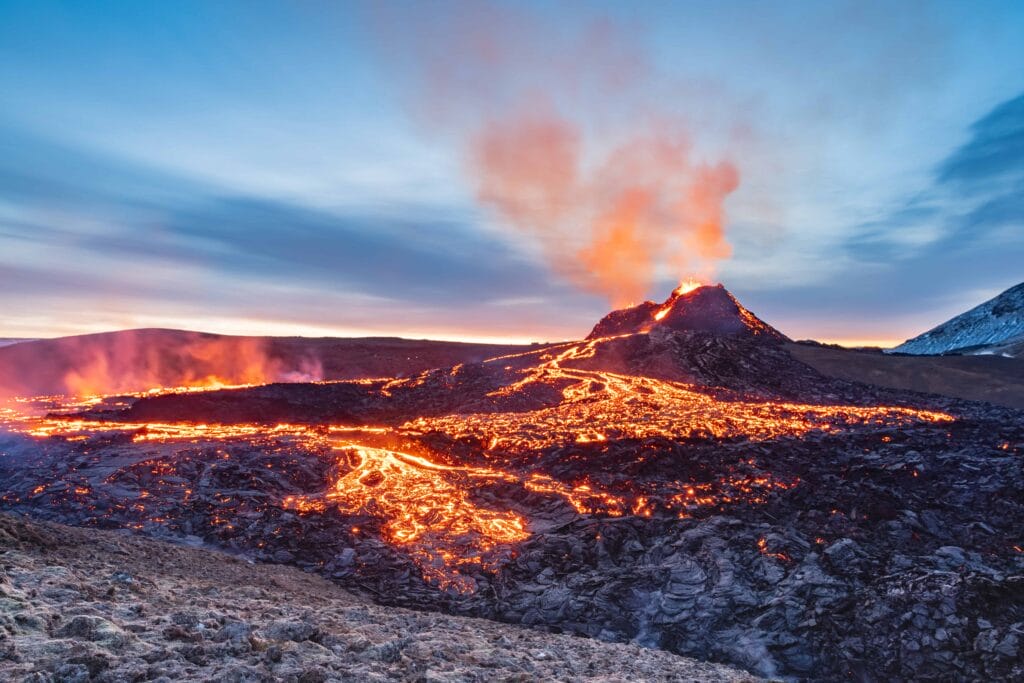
[677, 479]
[705, 308]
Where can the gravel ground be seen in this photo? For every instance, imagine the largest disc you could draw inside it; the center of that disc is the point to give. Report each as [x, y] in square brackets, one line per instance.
[89, 605]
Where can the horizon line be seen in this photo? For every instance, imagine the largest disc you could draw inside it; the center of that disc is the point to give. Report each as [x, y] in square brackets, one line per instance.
[304, 332]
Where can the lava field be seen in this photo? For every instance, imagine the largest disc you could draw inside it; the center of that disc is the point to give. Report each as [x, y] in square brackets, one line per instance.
[696, 490]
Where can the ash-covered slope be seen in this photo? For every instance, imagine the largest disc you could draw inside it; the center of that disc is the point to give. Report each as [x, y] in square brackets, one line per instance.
[991, 378]
[708, 308]
[996, 326]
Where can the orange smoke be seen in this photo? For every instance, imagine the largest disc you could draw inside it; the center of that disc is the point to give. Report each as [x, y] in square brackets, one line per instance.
[609, 226]
[528, 168]
[616, 261]
[139, 360]
[200, 362]
[565, 136]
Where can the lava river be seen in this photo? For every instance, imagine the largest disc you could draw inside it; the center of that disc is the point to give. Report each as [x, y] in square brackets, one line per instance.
[455, 492]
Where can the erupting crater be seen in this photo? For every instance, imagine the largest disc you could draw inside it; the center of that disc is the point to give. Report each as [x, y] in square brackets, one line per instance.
[693, 307]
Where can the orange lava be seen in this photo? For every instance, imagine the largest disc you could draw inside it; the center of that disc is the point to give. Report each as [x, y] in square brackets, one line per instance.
[434, 511]
[599, 405]
[426, 506]
[687, 286]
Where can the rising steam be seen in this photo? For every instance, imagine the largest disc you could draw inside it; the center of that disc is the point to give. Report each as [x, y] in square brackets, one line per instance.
[139, 360]
[198, 361]
[563, 142]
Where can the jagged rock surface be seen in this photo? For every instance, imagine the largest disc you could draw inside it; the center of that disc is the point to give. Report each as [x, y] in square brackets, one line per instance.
[89, 605]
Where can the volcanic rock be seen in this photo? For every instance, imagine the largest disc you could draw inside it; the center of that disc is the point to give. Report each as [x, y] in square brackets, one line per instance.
[703, 309]
[94, 628]
[200, 615]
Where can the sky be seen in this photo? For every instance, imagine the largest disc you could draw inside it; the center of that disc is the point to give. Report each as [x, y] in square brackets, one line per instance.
[852, 172]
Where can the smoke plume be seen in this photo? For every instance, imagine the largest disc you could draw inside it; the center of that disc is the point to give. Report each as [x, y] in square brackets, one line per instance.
[563, 141]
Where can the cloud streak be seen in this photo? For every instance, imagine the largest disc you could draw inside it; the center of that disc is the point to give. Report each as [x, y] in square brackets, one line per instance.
[164, 240]
[995, 151]
[954, 243]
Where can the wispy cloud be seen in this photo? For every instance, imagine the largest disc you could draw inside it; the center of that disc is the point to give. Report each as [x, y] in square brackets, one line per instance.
[954, 242]
[995, 151]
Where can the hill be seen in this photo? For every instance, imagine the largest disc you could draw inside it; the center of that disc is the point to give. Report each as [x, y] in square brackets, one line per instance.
[993, 327]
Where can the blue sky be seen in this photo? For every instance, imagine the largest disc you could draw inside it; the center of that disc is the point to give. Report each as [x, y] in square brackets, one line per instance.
[266, 167]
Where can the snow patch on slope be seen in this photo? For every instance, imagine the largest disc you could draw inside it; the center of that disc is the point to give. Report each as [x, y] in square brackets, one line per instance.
[999, 322]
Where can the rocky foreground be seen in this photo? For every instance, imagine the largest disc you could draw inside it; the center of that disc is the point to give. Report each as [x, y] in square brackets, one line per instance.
[91, 605]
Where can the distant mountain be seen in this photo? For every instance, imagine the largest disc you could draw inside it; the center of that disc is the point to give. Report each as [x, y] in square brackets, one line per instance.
[706, 308]
[994, 327]
[7, 341]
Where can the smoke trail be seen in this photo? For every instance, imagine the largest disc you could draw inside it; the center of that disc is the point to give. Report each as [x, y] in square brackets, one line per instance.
[562, 142]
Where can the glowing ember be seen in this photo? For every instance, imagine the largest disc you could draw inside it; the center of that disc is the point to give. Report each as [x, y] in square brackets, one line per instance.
[686, 286]
[762, 546]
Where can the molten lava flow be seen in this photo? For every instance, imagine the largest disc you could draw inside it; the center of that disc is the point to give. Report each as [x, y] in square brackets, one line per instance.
[659, 408]
[446, 514]
[637, 407]
[425, 505]
[162, 432]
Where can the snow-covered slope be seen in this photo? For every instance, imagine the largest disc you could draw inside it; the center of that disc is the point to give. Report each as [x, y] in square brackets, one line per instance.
[996, 326]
